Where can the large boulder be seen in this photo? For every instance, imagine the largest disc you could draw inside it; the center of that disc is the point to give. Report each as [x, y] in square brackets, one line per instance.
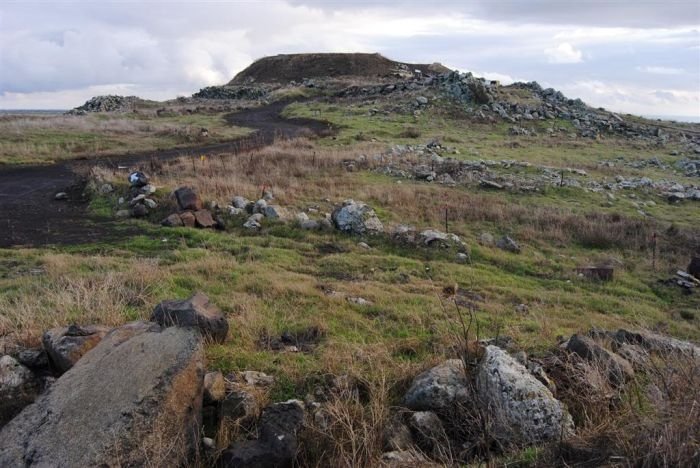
[187, 199]
[617, 369]
[277, 444]
[204, 219]
[65, 345]
[657, 343]
[134, 400]
[524, 410]
[195, 312]
[18, 388]
[434, 238]
[438, 388]
[356, 218]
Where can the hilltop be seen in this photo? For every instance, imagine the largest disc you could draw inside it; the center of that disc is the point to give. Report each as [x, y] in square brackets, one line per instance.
[296, 67]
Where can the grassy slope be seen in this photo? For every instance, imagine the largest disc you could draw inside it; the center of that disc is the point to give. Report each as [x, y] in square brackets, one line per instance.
[274, 281]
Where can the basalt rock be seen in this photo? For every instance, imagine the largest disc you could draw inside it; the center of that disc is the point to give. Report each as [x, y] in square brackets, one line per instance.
[196, 312]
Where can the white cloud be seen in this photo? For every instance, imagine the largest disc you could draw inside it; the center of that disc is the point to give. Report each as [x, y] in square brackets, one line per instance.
[661, 70]
[564, 53]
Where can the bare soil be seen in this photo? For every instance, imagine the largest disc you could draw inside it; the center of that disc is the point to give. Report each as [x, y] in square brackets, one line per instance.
[30, 216]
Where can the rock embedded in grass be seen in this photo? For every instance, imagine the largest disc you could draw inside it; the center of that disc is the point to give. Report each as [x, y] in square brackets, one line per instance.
[187, 199]
[356, 218]
[438, 388]
[523, 409]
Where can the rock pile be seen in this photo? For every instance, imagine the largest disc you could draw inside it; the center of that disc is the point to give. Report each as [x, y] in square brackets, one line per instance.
[109, 103]
[190, 211]
[140, 191]
[232, 92]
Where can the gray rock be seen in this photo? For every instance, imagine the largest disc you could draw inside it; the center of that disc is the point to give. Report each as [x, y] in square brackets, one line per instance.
[657, 343]
[396, 435]
[66, 345]
[356, 218]
[239, 404]
[311, 225]
[276, 212]
[429, 433]
[18, 388]
[196, 312]
[134, 400]
[277, 444]
[240, 202]
[524, 410]
[617, 369]
[260, 206]
[122, 214]
[35, 359]
[138, 179]
[434, 238]
[421, 100]
[508, 244]
[150, 203]
[461, 257]
[438, 388]
[61, 196]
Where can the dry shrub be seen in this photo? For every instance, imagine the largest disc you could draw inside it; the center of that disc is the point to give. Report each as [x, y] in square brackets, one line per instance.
[652, 421]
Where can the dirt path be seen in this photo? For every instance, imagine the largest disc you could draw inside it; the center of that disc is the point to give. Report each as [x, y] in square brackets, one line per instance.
[29, 215]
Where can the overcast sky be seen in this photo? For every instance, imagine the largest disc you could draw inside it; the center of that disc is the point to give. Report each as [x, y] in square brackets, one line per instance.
[632, 56]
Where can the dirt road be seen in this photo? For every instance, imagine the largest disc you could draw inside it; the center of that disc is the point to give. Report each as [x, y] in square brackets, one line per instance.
[29, 215]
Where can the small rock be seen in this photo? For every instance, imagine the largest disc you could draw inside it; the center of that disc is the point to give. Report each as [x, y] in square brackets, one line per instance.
[203, 219]
[240, 202]
[174, 220]
[617, 369]
[461, 257]
[61, 196]
[364, 245]
[139, 211]
[361, 301]
[138, 179]
[187, 199]
[508, 244]
[66, 345]
[150, 203]
[195, 312]
[188, 219]
[437, 388]
[122, 214]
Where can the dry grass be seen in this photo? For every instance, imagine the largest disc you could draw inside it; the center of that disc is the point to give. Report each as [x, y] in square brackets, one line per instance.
[106, 296]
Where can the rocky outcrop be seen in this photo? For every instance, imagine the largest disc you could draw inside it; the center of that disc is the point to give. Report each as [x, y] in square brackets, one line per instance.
[65, 345]
[133, 400]
[356, 218]
[524, 410]
[196, 312]
[18, 388]
[277, 444]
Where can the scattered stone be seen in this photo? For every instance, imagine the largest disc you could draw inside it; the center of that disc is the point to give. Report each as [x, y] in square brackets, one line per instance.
[356, 218]
[364, 245]
[66, 345]
[150, 203]
[490, 184]
[275, 211]
[421, 100]
[137, 389]
[524, 409]
[257, 379]
[18, 388]
[260, 206]
[61, 196]
[187, 199]
[122, 214]
[147, 189]
[277, 444]
[508, 244]
[195, 312]
[437, 388]
[486, 239]
[433, 238]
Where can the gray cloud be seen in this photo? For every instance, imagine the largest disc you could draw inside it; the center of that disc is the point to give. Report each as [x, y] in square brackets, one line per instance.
[58, 54]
